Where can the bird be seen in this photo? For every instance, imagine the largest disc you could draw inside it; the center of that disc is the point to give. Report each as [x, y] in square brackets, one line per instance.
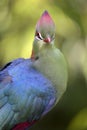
[31, 87]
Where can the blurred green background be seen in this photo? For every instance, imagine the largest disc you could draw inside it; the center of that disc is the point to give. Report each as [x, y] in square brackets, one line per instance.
[17, 25]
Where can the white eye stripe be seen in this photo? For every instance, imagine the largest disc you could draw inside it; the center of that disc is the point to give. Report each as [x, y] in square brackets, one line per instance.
[37, 38]
[40, 36]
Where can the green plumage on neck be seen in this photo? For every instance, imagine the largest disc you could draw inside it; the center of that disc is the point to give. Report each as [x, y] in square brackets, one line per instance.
[52, 64]
[51, 61]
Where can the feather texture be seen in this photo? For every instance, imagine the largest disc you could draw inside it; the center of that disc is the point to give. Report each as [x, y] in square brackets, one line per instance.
[30, 88]
[25, 94]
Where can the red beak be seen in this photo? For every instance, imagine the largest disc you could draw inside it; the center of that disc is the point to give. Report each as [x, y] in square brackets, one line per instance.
[47, 40]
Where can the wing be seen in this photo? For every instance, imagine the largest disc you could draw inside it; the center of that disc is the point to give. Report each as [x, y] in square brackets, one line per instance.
[5, 108]
[6, 83]
[21, 96]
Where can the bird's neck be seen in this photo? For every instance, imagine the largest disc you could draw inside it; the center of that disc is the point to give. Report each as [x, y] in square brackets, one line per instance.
[52, 64]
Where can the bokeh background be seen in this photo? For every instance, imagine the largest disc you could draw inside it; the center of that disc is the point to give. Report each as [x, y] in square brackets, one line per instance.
[17, 25]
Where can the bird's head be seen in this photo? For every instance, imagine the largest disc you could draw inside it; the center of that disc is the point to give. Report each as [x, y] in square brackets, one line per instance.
[44, 34]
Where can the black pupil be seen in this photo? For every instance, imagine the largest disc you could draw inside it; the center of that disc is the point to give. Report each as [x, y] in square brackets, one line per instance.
[38, 35]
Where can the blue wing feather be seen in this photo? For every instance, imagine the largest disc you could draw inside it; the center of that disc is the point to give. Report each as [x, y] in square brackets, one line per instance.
[25, 94]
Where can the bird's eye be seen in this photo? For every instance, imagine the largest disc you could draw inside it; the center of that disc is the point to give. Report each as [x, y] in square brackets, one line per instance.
[38, 35]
